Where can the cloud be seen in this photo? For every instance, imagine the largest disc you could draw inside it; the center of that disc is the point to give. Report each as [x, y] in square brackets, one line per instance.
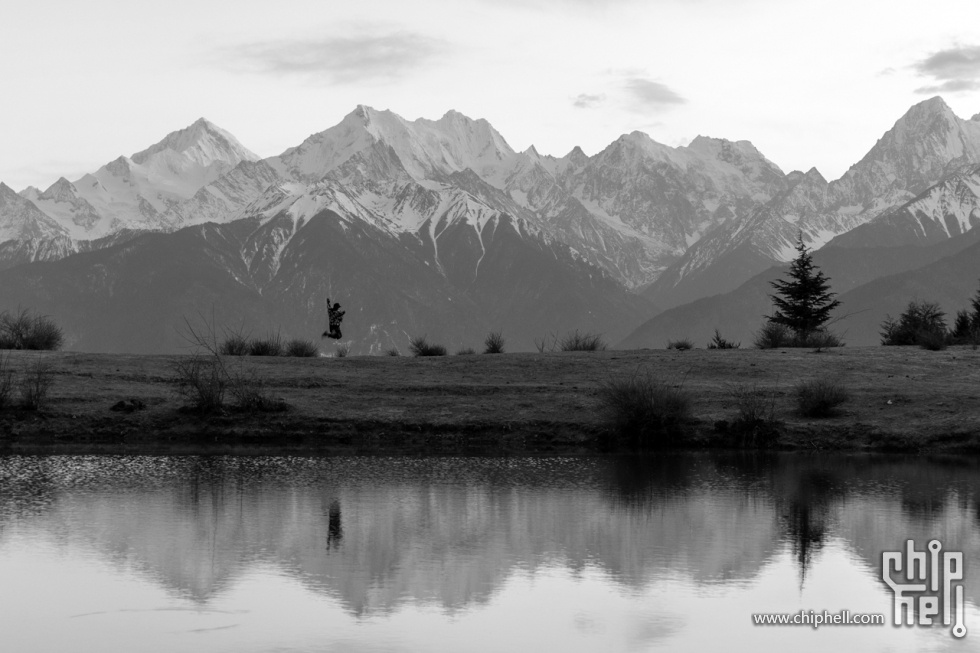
[648, 95]
[338, 59]
[955, 69]
[586, 101]
[951, 86]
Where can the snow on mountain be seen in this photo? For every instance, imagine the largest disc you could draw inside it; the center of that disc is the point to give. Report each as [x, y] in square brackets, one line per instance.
[945, 210]
[26, 232]
[427, 149]
[924, 146]
[141, 192]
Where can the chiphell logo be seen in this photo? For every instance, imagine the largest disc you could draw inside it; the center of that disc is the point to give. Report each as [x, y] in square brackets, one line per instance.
[927, 586]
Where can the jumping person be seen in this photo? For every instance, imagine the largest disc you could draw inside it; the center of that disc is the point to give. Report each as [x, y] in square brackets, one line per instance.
[336, 316]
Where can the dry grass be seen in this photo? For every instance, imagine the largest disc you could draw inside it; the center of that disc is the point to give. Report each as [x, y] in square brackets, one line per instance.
[924, 400]
[820, 397]
[646, 412]
[576, 341]
[271, 345]
[35, 383]
[419, 346]
[6, 381]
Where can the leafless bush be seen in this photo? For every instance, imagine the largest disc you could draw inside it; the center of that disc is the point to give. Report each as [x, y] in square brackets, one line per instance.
[302, 348]
[680, 345]
[392, 351]
[28, 330]
[420, 347]
[755, 425]
[271, 345]
[772, 335]
[645, 412]
[494, 343]
[235, 344]
[250, 392]
[201, 379]
[35, 383]
[6, 380]
[342, 350]
[576, 341]
[820, 397]
[541, 344]
[465, 351]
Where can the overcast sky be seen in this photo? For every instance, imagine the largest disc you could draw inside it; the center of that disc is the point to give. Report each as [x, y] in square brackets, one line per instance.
[809, 83]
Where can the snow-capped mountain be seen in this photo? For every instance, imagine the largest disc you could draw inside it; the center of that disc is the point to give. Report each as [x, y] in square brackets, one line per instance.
[631, 209]
[26, 232]
[138, 193]
[946, 210]
[463, 220]
[928, 144]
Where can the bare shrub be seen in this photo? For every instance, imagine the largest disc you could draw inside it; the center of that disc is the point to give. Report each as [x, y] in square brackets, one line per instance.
[28, 330]
[680, 345]
[342, 350]
[250, 392]
[494, 343]
[717, 342]
[302, 348]
[933, 340]
[819, 340]
[820, 397]
[235, 344]
[35, 383]
[541, 344]
[755, 425]
[6, 381]
[465, 351]
[271, 345]
[645, 412]
[392, 351]
[201, 379]
[576, 341]
[772, 335]
[420, 347]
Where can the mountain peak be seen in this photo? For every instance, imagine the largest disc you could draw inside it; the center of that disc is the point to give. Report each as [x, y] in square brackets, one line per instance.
[203, 142]
[975, 118]
[814, 175]
[59, 190]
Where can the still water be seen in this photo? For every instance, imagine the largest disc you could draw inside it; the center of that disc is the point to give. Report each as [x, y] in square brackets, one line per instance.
[357, 554]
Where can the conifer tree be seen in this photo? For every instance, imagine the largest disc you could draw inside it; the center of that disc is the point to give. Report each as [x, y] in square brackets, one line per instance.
[803, 302]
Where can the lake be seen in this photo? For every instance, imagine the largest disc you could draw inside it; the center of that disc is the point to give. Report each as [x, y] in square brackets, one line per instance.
[673, 553]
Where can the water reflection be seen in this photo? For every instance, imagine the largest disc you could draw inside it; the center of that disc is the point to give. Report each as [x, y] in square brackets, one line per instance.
[658, 542]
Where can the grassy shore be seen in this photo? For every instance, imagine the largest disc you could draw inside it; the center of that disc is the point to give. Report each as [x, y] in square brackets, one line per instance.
[901, 399]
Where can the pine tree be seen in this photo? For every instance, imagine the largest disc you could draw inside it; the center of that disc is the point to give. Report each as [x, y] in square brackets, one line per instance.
[803, 302]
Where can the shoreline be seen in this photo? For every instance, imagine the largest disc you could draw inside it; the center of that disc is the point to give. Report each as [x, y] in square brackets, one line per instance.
[902, 399]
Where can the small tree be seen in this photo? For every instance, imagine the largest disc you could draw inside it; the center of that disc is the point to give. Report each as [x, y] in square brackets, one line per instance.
[803, 302]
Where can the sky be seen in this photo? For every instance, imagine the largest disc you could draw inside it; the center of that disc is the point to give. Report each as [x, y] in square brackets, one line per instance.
[808, 83]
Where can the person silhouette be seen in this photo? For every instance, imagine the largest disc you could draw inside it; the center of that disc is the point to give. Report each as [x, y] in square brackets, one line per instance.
[335, 316]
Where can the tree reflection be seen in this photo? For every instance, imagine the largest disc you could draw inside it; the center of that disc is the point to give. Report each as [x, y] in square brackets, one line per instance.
[335, 530]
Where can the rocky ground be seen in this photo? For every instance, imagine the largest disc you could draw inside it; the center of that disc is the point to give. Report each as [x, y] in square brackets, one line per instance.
[901, 398]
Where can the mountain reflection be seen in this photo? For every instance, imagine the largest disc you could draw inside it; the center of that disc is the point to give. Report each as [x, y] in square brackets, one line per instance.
[377, 532]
